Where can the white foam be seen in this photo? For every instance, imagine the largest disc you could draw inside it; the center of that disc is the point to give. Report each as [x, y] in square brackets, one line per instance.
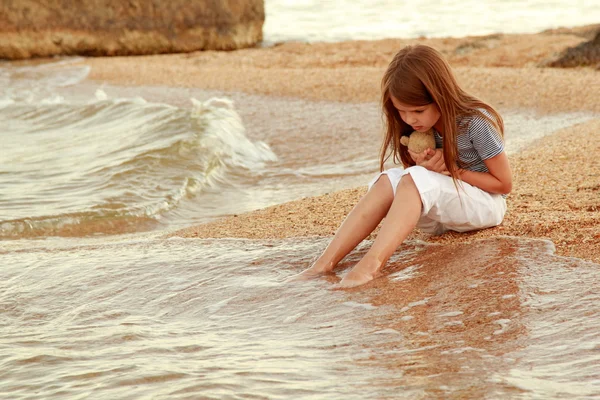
[462, 350]
[503, 326]
[213, 308]
[388, 331]
[294, 318]
[415, 304]
[549, 388]
[454, 323]
[354, 304]
[405, 274]
[451, 314]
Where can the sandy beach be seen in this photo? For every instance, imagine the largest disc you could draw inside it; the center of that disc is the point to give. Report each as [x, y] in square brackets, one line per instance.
[556, 191]
[156, 207]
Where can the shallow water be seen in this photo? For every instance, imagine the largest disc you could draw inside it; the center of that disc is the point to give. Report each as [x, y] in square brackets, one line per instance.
[82, 158]
[313, 20]
[181, 318]
[87, 312]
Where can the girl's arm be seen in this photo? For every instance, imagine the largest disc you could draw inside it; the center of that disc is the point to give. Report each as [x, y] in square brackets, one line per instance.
[498, 180]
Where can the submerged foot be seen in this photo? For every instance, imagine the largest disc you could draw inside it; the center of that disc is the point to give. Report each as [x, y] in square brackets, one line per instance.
[363, 272]
[354, 278]
[313, 272]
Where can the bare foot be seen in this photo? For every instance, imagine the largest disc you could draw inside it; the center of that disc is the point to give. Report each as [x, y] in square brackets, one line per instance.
[314, 271]
[363, 272]
[353, 279]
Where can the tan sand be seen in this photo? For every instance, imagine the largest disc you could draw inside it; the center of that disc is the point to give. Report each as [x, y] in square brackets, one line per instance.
[557, 180]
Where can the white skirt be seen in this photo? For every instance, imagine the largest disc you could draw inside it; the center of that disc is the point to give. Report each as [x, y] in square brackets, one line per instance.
[445, 208]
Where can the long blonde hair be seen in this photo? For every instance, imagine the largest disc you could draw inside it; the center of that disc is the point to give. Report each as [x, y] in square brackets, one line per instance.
[419, 75]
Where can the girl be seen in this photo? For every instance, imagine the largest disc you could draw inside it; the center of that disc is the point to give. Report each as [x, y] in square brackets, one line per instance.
[458, 186]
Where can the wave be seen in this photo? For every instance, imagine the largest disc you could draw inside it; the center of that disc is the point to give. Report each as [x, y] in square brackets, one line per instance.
[34, 82]
[116, 165]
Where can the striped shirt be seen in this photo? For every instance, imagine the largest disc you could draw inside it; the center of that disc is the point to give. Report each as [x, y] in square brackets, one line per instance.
[477, 140]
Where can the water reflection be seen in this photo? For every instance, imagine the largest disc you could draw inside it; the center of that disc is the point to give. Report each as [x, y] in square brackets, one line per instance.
[500, 317]
[175, 318]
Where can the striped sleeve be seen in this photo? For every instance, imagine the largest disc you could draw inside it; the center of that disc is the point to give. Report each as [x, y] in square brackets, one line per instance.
[486, 140]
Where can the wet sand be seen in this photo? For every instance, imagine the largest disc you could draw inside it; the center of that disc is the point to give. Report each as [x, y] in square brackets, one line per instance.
[556, 192]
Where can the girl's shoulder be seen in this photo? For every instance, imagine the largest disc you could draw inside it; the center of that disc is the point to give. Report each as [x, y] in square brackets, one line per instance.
[474, 121]
[474, 115]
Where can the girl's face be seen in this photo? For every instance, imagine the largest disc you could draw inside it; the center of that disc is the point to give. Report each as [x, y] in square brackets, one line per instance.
[420, 118]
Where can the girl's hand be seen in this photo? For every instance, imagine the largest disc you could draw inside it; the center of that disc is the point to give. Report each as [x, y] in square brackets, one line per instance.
[433, 160]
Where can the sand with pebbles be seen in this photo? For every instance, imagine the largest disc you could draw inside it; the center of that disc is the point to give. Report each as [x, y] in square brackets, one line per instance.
[556, 191]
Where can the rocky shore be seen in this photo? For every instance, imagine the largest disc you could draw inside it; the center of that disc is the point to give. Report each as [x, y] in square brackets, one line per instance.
[556, 191]
[108, 28]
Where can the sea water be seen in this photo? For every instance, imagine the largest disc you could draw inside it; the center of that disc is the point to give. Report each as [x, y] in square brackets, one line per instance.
[96, 303]
[336, 20]
[144, 317]
[81, 158]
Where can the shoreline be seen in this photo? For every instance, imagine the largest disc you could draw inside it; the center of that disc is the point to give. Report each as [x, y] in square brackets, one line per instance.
[558, 201]
[556, 193]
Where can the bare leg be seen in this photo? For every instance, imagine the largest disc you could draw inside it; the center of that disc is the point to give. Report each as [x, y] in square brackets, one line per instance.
[401, 219]
[361, 221]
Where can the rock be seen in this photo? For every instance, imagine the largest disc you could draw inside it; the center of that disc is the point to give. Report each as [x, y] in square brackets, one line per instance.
[582, 55]
[30, 28]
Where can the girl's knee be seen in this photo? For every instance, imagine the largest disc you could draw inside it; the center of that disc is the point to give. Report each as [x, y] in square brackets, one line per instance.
[406, 182]
[407, 187]
[383, 189]
[384, 183]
